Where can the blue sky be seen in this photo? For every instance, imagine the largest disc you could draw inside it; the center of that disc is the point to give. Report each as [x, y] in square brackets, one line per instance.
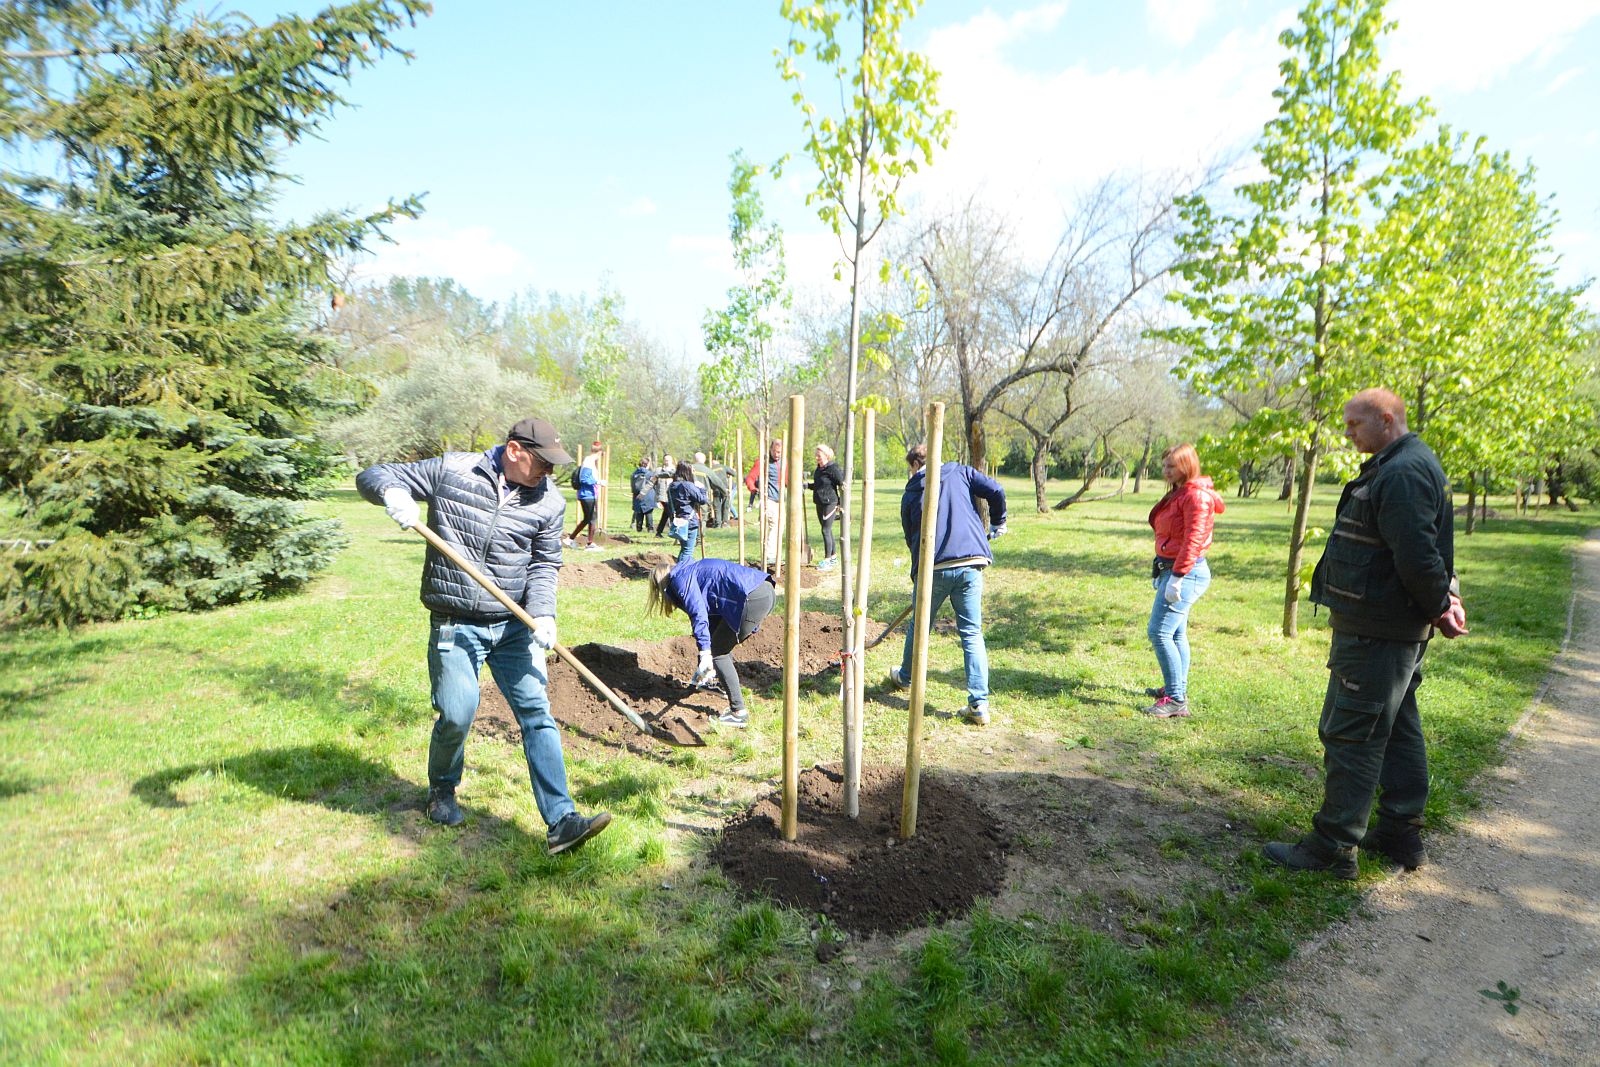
[560, 143]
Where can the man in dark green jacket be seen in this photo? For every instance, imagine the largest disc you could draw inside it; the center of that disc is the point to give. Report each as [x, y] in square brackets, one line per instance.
[1387, 578]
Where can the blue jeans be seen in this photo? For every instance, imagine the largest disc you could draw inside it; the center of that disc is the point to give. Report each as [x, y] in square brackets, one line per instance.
[686, 543]
[964, 587]
[457, 649]
[1169, 628]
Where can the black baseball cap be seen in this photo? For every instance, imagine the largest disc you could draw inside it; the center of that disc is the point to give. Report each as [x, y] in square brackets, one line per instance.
[541, 437]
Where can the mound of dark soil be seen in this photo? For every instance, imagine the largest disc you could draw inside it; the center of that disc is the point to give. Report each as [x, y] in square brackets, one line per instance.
[653, 680]
[588, 574]
[857, 871]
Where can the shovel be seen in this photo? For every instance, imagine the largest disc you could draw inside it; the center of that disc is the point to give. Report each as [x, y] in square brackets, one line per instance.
[887, 630]
[657, 732]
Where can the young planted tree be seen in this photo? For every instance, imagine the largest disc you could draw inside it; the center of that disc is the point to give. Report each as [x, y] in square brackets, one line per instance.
[741, 373]
[157, 412]
[1286, 279]
[889, 125]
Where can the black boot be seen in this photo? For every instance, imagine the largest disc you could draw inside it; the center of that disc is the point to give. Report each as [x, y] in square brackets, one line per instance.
[442, 806]
[1398, 841]
[1310, 854]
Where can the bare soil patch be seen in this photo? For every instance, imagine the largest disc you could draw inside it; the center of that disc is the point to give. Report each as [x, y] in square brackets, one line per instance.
[857, 871]
[589, 574]
[654, 680]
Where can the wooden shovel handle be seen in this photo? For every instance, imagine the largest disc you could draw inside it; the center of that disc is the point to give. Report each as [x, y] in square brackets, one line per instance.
[448, 552]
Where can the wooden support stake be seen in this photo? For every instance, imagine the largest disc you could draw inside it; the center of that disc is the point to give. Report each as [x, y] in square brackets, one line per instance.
[920, 620]
[855, 677]
[761, 495]
[737, 488]
[791, 629]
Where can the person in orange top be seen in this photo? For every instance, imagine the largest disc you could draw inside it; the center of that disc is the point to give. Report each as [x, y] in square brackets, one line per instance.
[1182, 521]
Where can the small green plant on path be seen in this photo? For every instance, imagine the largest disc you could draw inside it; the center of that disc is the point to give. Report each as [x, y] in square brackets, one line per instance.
[213, 847]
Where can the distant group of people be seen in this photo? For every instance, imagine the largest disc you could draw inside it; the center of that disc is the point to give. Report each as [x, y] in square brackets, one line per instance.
[1386, 575]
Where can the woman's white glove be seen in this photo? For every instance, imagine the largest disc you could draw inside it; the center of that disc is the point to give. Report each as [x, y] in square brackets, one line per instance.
[544, 632]
[1174, 591]
[703, 672]
[401, 508]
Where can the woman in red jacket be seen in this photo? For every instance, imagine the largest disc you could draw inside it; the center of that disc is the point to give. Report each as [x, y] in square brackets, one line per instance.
[1182, 521]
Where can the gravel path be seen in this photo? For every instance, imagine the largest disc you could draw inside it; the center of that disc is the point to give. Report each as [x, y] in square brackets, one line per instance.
[1513, 898]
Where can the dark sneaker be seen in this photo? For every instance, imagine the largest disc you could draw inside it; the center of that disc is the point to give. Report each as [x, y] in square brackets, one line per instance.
[574, 830]
[442, 807]
[737, 719]
[1167, 708]
[898, 680]
[1398, 842]
[977, 714]
[1309, 854]
[1157, 693]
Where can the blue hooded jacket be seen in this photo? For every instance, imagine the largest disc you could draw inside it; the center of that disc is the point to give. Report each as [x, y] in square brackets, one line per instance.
[960, 533]
[712, 590]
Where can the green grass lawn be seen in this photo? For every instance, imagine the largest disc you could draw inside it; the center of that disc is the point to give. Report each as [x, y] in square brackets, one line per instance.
[213, 853]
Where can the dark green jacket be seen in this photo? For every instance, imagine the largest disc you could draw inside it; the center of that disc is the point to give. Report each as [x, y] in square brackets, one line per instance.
[1389, 566]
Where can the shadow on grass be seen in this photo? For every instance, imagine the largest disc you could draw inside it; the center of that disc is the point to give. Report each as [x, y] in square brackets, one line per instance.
[328, 775]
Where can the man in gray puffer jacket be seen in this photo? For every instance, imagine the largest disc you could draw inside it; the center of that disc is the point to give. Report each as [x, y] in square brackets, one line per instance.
[501, 510]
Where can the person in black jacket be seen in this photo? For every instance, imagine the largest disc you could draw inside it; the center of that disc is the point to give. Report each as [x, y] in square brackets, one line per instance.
[500, 508]
[1387, 578]
[643, 485]
[827, 482]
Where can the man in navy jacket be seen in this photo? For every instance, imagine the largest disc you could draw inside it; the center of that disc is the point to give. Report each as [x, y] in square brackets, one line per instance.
[960, 555]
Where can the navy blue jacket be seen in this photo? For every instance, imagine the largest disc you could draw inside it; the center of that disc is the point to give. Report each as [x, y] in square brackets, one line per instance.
[710, 591]
[960, 533]
[683, 498]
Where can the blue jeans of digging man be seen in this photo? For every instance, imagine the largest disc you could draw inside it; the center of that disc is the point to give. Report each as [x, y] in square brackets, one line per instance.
[964, 587]
[1169, 628]
[457, 649]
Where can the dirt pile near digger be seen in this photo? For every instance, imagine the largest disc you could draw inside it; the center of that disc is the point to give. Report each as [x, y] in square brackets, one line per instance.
[857, 871]
[654, 680]
[590, 573]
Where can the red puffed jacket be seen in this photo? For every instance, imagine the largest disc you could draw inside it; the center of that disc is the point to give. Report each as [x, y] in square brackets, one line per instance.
[1183, 520]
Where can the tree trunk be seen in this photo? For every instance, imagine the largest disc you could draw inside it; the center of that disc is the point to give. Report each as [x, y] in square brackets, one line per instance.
[1144, 461]
[1040, 468]
[1472, 503]
[1297, 539]
[1288, 478]
[1485, 504]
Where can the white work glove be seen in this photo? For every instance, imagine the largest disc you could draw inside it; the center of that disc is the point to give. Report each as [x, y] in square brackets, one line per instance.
[1174, 590]
[703, 672]
[544, 631]
[401, 508]
[996, 532]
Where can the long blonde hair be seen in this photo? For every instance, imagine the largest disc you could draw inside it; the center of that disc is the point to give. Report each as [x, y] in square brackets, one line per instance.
[656, 600]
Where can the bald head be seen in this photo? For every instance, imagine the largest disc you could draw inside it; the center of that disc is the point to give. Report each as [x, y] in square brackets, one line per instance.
[1374, 419]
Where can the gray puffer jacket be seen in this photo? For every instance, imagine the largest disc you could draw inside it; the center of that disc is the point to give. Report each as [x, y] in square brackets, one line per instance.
[516, 542]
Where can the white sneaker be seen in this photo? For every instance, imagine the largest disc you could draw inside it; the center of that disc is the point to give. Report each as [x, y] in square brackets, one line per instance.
[977, 714]
[898, 680]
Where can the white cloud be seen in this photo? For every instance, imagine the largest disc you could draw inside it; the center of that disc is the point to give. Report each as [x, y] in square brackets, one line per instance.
[1029, 141]
[638, 208]
[1178, 20]
[1561, 79]
[1465, 45]
[473, 255]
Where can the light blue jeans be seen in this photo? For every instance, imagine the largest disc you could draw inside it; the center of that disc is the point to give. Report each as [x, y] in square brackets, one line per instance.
[457, 649]
[1169, 628]
[964, 587]
[686, 543]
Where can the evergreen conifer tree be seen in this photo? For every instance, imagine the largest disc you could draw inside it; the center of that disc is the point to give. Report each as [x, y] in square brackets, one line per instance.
[160, 386]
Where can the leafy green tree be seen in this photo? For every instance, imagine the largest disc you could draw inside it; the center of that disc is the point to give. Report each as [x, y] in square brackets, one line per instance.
[157, 412]
[1286, 280]
[739, 337]
[889, 125]
[1485, 347]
